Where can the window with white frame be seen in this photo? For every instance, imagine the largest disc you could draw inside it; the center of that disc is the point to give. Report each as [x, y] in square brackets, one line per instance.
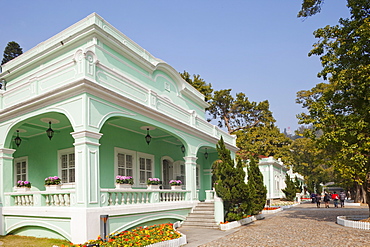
[145, 167]
[125, 164]
[20, 169]
[138, 165]
[67, 165]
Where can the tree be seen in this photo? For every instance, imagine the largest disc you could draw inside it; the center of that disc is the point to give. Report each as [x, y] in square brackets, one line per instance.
[12, 50]
[264, 140]
[230, 185]
[340, 107]
[238, 113]
[298, 185]
[313, 163]
[290, 189]
[255, 184]
[310, 7]
[199, 84]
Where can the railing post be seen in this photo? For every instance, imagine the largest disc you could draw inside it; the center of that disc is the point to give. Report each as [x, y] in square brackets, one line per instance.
[154, 197]
[38, 200]
[219, 209]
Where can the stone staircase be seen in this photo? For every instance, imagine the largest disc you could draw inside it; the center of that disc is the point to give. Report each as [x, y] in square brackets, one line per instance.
[202, 216]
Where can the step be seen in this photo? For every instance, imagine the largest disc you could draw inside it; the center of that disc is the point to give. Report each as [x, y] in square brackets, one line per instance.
[201, 224]
[204, 209]
[189, 219]
[203, 212]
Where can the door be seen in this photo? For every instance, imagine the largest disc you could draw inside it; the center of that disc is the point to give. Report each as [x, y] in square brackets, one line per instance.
[167, 173]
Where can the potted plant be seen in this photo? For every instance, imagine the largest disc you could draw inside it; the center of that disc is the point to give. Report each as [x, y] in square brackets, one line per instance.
[124, 182]
[153, 183]
[175, 184]
[53, 183]
[23, 185]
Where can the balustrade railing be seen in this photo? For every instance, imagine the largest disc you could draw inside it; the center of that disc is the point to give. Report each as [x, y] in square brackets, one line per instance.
[116, 197]
[112, 197]
[58, 198]
[128, 197]
[23, 200]
[172, 196]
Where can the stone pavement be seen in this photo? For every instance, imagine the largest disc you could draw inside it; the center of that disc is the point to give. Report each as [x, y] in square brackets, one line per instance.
[302, 225]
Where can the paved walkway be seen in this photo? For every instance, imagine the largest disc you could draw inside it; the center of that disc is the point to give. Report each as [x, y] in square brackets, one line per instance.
[302, 225]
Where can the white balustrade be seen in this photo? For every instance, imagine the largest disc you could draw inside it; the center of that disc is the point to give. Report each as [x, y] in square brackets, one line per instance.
[23, 200]
[60, 198]
[172, 196]
[128, 197]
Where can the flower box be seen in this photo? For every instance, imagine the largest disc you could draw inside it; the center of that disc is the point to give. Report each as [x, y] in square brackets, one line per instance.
[272, 210]
[176, 187]
[123, 186]
[153, 186]
[124, 180]
[53, 187]
[22, 189]
[234, 224]
[153, 181]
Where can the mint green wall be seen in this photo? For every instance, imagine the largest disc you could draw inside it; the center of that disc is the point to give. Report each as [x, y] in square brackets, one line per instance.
[155, 81]
[205, 177]
[117, 137]
[146, 219]
[42, 155]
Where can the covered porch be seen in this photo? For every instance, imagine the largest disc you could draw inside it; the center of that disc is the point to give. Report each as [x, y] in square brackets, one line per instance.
[90, 104]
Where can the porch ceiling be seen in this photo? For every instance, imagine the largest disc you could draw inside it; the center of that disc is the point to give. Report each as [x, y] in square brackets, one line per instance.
[39, 124]
[141, 128]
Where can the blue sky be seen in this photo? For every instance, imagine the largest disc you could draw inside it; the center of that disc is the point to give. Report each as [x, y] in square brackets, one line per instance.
[256, 47]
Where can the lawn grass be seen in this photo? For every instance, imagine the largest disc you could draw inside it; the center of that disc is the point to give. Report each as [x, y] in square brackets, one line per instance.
[17, 241]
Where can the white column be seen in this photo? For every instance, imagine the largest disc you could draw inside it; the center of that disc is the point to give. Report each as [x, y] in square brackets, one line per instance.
[87, 168]
[190, 171]
[6, 179]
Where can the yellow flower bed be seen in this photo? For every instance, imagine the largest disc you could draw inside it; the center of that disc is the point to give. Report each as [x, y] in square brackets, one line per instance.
[137, 237]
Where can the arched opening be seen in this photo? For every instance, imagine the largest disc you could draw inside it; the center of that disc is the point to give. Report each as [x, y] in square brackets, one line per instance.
[125, 151]
[37, 155]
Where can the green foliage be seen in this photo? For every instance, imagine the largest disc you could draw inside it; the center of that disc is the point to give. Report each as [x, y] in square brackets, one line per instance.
[257, 189]
[247, 119]
[290, 189]
[340, 107]
[238, 113]
[311, 162]
[12, 50]
[264, 140]
[310, 7]
[298, 185]
[230, 185]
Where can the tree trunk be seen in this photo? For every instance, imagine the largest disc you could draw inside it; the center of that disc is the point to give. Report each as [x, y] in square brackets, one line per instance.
[357, 195]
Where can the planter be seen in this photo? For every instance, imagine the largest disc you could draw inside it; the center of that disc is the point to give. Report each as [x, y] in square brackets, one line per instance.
[353, 221]
[153, 187]
[53, 187]
[124, 186]
[22, 189]
[176, 187]
[234, 224]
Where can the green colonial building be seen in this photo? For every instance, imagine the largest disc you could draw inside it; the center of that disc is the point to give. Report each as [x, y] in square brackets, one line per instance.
[87, 105]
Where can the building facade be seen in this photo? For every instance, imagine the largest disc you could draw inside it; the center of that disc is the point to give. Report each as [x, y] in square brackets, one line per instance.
[87, 105]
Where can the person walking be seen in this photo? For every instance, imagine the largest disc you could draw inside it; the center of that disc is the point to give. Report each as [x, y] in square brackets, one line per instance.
[313, 197]
[326, 200]
[318, 199]
[335, 198]
[342, 197]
